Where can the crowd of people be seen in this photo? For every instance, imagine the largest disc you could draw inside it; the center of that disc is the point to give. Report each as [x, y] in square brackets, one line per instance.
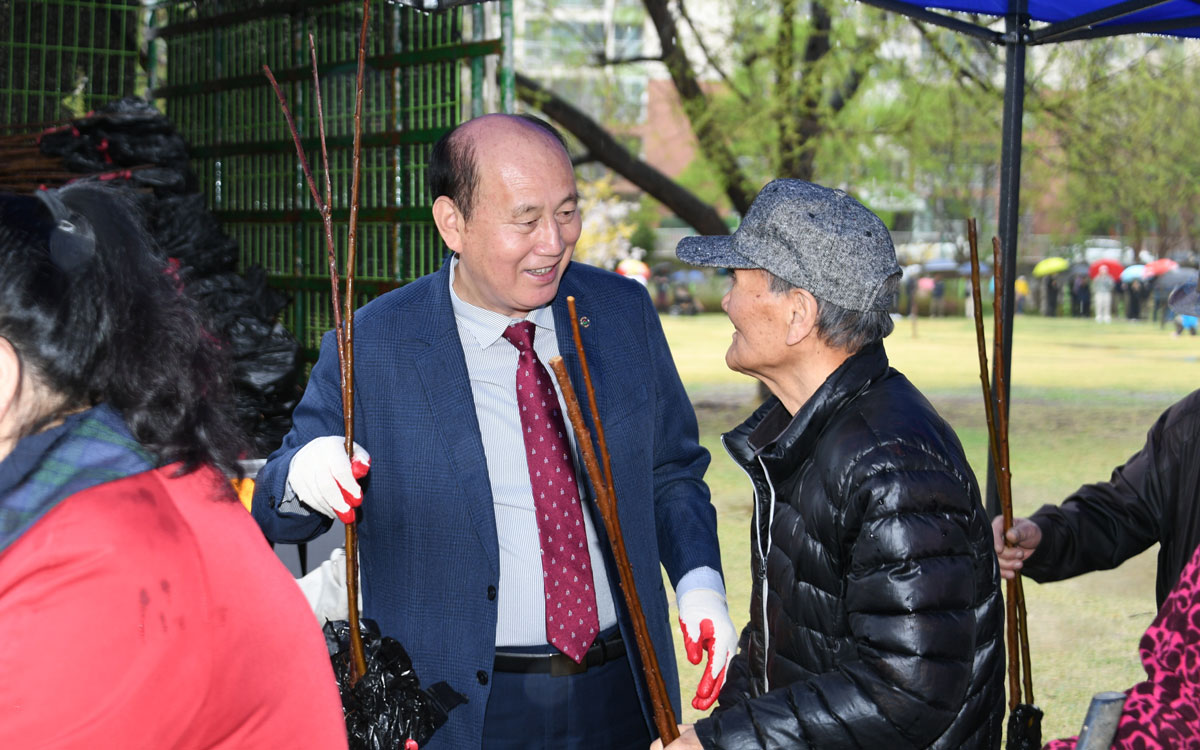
[1103, 296]
[876, 617]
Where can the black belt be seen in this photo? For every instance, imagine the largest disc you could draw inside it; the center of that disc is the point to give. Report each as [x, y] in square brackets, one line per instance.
[559, 665]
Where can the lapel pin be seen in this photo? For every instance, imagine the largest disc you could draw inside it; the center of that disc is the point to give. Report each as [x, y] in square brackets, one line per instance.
[584, 322]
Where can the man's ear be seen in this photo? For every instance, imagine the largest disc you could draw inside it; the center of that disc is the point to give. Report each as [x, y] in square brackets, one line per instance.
[804, 316]
[449, 221]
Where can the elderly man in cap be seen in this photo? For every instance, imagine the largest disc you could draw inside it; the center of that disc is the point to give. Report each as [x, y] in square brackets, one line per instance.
[875, 617]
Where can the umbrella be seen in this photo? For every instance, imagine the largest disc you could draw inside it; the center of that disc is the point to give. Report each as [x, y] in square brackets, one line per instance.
[965, 269]
[1132, 273]
[1114, 268]
[1185, 300]
[1053, 264]
[940, 265]
[1160, 266]
[1177, 277]
[633, 267]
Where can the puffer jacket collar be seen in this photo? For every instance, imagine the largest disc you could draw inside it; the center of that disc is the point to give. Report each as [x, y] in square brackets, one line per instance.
[778, 439]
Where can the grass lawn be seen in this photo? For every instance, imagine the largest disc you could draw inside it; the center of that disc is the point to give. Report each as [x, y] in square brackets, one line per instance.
[1083, 397]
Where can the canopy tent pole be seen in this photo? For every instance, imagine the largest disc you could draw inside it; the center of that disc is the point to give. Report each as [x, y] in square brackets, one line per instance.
[1087, 23]
[1015, 38]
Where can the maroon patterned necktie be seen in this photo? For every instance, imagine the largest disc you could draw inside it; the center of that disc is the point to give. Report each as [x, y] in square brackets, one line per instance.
[571, 618]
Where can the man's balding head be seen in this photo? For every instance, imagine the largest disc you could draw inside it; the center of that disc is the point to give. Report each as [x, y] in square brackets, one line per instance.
[506, 204]
[454, 163]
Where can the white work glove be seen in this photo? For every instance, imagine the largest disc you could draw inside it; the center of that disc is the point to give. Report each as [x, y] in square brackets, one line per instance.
[325, 589]
[704, 618]
[324, 478]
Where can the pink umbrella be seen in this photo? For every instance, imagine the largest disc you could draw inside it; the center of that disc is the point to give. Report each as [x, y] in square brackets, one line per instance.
[1157, 267]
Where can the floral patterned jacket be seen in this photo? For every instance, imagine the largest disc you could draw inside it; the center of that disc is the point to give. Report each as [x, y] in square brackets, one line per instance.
[1163, 711]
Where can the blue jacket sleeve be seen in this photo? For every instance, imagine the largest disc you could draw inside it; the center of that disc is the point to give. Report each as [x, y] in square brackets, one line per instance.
[319, 413]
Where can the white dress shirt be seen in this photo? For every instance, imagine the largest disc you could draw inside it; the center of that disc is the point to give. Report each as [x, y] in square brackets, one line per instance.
[492, 366]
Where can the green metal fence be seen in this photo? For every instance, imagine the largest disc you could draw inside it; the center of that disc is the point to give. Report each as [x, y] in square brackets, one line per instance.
[62, 58]
[217, 95]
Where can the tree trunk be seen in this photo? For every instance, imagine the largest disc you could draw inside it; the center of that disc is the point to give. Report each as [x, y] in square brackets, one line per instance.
[695, 105]
[797, 150]
[608, 151]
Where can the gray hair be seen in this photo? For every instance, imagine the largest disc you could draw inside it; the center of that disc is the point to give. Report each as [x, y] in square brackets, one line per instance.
[849, 330]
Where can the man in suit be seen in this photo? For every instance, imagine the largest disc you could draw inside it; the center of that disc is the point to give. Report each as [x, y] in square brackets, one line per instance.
[455, 530]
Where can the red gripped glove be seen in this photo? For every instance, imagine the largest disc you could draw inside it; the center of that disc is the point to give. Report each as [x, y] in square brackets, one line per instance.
[704, 619]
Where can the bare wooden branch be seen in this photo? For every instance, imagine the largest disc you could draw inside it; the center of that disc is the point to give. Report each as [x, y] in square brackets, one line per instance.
[603, 147]
[291, 123]
[708, 56]
[600, 60]
[325, 208]
[606, 501]
[961, 70]
[343, 334]
[716, 149]
[347, 362]
[995, 427]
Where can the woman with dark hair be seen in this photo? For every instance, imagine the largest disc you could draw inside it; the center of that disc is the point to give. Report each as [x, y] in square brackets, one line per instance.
[139, 604]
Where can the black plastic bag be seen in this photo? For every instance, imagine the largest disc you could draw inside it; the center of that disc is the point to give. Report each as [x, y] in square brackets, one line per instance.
[183, 228]
[161, 179]
[131, 149]
[266, 367]
[387, 706]
[241, 313]
[132, 114]
[232, 296]
[1024, 728]
[135, 146]
[126, 133]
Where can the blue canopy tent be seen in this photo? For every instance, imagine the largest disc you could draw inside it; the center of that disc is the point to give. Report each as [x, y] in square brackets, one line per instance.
[1028, 23]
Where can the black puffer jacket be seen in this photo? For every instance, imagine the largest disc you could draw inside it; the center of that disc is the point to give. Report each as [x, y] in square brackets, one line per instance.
[873, 572]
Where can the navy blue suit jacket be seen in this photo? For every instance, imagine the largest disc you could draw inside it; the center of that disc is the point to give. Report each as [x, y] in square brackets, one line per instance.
[429, 552]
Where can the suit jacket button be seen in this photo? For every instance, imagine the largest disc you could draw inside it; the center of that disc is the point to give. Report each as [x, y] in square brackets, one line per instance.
[483, 677]
[491, 593]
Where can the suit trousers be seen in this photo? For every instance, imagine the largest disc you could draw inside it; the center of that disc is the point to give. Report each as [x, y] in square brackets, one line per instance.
[594, 710]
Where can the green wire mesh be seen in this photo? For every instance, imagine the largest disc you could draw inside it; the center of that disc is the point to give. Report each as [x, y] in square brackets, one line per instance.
[217, 95]
[62, 58]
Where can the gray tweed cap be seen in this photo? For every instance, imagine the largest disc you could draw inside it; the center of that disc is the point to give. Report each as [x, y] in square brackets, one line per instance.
[815, 237]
